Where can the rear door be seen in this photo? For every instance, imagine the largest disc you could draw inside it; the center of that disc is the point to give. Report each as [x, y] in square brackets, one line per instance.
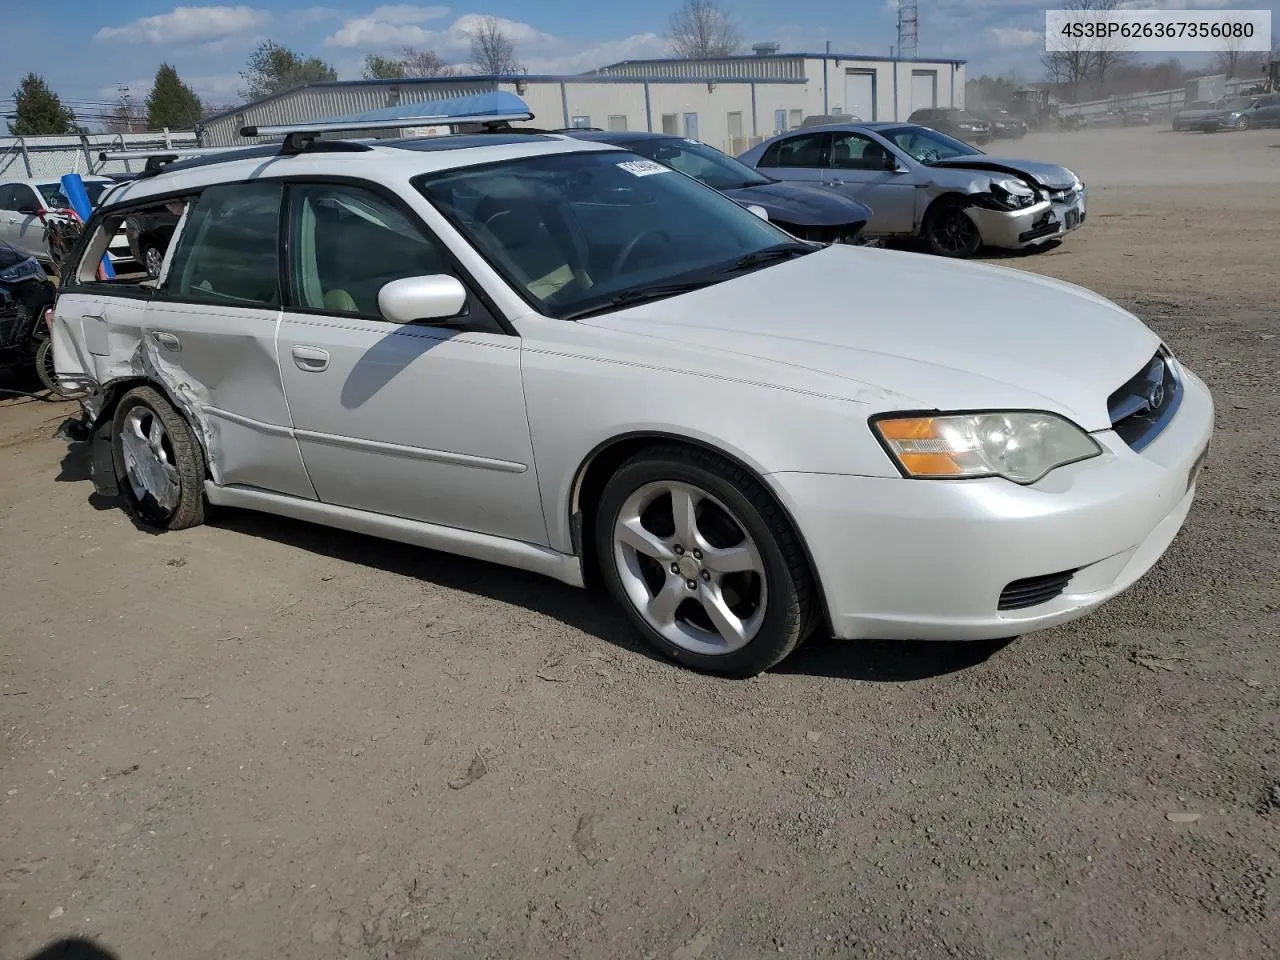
[801, 157]
[10, 218]
[21, 226]
[858, 166]
[210, 332]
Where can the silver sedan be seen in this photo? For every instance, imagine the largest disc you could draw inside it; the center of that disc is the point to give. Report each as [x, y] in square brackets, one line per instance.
[922, 183]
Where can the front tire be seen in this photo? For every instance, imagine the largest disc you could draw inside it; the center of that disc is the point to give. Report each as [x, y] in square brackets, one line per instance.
[703, 562]
[160, 465]
[950, 233]
[1242, 123]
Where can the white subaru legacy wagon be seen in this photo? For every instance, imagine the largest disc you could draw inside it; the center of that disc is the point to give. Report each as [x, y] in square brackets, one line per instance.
[563, 357]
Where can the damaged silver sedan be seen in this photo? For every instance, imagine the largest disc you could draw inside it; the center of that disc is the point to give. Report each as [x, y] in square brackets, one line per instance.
[922, 183]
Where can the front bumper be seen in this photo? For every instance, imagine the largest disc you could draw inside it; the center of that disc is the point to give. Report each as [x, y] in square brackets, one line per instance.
[1031, 226]
[928, 560]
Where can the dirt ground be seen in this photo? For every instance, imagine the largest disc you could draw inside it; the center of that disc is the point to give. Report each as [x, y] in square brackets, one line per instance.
[267, 739]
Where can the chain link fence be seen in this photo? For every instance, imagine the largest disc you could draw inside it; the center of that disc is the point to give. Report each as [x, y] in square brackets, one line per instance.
[24, 158]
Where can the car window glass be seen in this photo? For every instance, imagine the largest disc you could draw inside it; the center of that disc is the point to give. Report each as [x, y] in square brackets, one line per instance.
[574, 230]
[8, 197]
[349, 243]
[853, 151]
[700, 161]
[802, 151]
[926, 145]
[229, 248]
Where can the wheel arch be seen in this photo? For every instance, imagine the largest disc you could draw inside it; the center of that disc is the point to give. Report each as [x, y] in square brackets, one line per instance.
[951, 196]
[603, 461]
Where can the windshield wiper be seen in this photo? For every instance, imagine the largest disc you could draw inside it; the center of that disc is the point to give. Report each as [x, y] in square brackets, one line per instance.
[783, 251]
[627, 298]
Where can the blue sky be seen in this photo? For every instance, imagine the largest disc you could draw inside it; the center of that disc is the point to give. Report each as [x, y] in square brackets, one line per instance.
[86, 49]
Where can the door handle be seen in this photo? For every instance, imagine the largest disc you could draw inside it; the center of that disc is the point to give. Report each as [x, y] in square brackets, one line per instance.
[166, 340]
[835, 183]
[311, 359]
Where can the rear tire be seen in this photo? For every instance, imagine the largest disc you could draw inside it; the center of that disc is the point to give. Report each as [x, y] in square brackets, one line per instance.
[160, 465]
[752, 599]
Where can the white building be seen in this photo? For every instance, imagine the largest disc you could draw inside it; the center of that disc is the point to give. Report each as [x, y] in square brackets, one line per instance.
[728, 102]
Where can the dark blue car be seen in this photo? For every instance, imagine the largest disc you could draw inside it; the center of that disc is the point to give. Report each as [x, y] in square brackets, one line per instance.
[809, 212]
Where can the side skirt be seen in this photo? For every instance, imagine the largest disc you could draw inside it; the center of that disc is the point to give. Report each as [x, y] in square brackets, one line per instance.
[478, 546]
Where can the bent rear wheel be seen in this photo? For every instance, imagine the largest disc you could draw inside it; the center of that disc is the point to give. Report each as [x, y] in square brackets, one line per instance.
[703, 562]
[159, 462]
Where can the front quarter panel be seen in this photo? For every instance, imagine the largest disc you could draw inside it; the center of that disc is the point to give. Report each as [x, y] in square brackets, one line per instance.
[586, 386]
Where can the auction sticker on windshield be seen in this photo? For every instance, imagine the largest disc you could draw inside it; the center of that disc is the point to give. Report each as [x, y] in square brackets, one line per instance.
[643, 168]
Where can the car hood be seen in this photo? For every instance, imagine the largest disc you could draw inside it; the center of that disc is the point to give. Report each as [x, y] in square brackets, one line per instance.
[803, 205]
[902, 331]
[1049, 175]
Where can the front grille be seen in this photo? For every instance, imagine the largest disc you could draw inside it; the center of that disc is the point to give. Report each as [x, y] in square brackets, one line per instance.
[1143, 406]
[1033, 591]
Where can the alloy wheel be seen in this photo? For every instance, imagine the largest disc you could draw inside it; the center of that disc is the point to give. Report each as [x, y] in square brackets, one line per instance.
[149, 460]
[954, 232]
[690, 568]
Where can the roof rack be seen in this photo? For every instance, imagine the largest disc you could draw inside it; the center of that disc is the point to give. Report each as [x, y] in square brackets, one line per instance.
[297, 136]
[157, 157]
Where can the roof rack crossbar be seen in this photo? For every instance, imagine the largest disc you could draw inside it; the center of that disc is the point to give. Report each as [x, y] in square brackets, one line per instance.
[163, 153]
[301, 131]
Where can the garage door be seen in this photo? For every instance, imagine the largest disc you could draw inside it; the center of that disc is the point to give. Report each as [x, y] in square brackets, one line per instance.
[924, 89]
[860, 93]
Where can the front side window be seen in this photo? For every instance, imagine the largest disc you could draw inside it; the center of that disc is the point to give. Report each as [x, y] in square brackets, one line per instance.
[229, 248]
[581, 230]
[926, 145]
[854, 151]
[700, 161]
[347, 243]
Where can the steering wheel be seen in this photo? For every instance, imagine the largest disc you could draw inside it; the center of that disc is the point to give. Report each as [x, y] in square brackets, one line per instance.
[630, 247]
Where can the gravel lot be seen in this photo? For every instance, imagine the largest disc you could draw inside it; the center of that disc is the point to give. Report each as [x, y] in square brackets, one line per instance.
[266, 739]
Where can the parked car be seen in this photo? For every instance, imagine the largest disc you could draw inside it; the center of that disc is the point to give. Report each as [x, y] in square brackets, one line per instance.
[25, 292]
[148, 236]
[1267, 113]
[922, 183]
[821, 119]
[1189, 117]
[21, 205]
[1236, 113]
[560, 356]
[954, 123]
[1135, 117]
[803, 210]
[1003, 124]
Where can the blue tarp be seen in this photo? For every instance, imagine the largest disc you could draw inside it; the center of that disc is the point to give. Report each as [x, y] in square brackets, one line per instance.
[494, 103]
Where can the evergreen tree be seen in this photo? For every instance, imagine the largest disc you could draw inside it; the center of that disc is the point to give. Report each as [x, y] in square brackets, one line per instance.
[39, 112]
[172, 103]
[274, 69]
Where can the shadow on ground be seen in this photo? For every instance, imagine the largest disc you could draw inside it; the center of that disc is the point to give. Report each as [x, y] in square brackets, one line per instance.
[592, 612]
[73, 948]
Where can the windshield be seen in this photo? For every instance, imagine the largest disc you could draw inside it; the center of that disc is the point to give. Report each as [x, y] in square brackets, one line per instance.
[55, 198]
[927, 146]
[574, 232]
[700, 161]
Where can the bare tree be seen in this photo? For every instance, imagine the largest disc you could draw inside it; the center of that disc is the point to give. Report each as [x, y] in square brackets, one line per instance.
[492, 51]
[1085, 71]
[699, 28]
[126, 116]
[425, 63]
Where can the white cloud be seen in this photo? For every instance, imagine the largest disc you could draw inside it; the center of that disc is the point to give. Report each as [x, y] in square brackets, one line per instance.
[579, 59]
[394, 25]
[309, 15]
[1013, 38]
[189, 24]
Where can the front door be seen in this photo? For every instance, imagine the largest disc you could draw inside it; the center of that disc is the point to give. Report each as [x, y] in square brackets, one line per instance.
[19, 224]
[210, 331]
[408, 420]
[860, 167]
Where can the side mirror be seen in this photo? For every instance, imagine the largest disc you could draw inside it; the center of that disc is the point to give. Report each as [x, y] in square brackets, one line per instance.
[759, 211]
[891, 164]
[434, 298]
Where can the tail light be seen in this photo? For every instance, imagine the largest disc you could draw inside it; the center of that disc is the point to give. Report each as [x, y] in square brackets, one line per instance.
[48, 318]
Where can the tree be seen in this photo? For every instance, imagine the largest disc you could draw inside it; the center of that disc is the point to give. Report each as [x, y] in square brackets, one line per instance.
[492, 51]
[699, 28]
[172, 103]
[1085, 70]
[126, 116]
[273, 69]
[412, 63]
[39, 111]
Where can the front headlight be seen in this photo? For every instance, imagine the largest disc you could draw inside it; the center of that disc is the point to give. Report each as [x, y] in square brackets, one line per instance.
[1021, 446]
[22, 270]
[1012, 193]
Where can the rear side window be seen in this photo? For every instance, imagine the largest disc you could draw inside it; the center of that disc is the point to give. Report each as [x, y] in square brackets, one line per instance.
[229, 250]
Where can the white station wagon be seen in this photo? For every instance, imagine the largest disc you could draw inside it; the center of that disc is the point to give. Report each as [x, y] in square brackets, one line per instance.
[563, 357]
